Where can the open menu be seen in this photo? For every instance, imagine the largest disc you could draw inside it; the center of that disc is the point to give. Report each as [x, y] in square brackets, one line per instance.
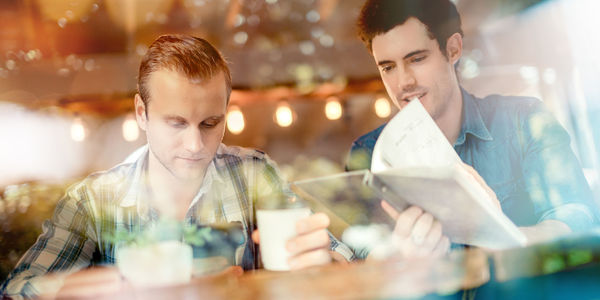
[414, 164]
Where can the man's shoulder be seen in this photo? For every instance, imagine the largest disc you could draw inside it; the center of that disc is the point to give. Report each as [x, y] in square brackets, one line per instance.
[513, 105]
[362, 149]
[368, 140]
[107, 181]
[227, 154]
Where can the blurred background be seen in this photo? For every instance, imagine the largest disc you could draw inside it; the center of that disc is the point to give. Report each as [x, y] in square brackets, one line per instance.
[304, 84]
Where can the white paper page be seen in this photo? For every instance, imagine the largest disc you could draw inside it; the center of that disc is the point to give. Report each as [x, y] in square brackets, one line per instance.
[412, 139]
[413, 157]
[452, 198]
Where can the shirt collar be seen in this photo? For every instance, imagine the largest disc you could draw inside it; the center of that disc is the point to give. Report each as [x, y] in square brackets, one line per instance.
[472, 121]
[139, 168]
[138, 188]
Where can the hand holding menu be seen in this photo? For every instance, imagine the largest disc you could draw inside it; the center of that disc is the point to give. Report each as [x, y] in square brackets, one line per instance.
[413, 164]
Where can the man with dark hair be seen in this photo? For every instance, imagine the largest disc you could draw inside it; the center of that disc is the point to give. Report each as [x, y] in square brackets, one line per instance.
[184, 172]
[514, 145]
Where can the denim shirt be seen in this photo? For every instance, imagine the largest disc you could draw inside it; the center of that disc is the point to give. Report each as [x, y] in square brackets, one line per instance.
[522, 153]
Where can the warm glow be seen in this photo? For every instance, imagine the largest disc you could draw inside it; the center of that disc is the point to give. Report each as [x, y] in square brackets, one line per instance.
[284, 115]
[382, 108]
[133, 14]
[78, 130]
[68, 10]
[235, 120]
[333, 109]
[131, 132]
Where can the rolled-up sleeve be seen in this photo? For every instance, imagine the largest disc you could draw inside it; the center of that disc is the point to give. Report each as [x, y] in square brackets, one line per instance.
[553, 176]
[577, 216]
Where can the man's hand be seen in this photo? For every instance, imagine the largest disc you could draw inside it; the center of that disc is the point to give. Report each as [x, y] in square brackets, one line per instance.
[92, 282]
[417, 232]
[481, 182]
[311, 246]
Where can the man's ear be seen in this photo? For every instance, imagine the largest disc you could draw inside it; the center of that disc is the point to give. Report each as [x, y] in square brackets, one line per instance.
[140, 112]
[454, 48]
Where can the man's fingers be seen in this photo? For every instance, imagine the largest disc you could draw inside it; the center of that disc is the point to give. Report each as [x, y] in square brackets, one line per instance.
[442, 247]
[95, 275]
[309, 259]
[312, 223]
[392, 212]
[256, 236]
[310, 241]
[406, 220]
[483, 184]
[434, 236]
[421, 228]
[90, 282]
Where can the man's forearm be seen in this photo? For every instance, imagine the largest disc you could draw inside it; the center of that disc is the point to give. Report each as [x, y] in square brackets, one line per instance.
[545, 230]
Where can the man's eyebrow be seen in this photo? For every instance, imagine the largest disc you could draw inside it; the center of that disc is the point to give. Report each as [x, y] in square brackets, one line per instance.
[416, 52]
[174, 117]
[413, 53]
[384, 62]
[221, 116]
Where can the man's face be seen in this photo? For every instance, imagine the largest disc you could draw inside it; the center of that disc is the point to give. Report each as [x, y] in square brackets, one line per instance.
[412, 65]
[185, 121]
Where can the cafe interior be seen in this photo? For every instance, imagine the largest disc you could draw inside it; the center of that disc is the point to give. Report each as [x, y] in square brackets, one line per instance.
[304, 88]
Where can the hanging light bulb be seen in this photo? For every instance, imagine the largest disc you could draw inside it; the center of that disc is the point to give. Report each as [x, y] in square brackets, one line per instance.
[78, 131]
[235, 120]
[130, 129]
[382, 107]
[333, 108]
[284, 115]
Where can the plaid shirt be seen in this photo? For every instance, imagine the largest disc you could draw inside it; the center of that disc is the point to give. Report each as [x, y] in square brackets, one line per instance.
[113, 200]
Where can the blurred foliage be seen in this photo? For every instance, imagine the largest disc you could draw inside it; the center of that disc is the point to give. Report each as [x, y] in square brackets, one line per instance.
[304, 167]
[568, 253]
[23, 209]
[220, 239]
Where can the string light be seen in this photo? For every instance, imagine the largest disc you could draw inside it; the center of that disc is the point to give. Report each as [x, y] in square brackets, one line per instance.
[130, 129]
[284, 115]
[333, 108]
[235, 120]
[382, 107]
[78, 131]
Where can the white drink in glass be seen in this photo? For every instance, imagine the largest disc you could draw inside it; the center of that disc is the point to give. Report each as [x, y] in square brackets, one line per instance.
[276, 227]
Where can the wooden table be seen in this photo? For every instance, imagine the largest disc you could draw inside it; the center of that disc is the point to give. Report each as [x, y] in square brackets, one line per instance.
[364, 280]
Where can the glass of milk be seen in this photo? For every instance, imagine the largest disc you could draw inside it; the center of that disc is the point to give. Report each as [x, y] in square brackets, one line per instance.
[277, 220]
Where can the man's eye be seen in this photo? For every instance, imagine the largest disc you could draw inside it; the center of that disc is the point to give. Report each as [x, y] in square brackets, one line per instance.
[387, 68]
[210, 124]
[176, 124]
[418, 59]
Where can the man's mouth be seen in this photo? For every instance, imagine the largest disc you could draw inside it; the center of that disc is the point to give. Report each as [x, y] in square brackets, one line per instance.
[190, 159]
[413, 96]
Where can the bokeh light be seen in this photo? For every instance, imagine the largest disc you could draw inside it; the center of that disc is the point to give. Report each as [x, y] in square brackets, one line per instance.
[235, 120]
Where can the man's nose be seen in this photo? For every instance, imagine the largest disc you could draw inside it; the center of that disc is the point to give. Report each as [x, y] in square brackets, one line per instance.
[193, 140]
[407, 81]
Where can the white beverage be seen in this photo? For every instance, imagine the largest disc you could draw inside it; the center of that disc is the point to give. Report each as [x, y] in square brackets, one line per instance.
[276, 227]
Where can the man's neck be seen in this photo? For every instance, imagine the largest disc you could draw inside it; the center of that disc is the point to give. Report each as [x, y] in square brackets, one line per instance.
[171, 195]
[450, 122]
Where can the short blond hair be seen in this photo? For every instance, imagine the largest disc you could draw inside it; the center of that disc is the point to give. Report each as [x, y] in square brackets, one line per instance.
[193, 57]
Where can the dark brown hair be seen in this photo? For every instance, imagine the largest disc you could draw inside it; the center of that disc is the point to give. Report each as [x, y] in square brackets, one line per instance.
[379, 16]
[191, 56]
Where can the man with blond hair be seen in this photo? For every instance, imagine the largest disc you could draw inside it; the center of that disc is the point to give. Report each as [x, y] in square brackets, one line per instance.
[184, 172]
